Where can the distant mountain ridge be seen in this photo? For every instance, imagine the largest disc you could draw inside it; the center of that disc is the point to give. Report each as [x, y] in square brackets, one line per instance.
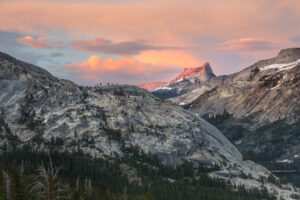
[204, 72]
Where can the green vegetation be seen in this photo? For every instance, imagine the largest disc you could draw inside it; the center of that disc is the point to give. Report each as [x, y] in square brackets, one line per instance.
[229, 126]
[295, 196]
[270, 141]
[85, 178]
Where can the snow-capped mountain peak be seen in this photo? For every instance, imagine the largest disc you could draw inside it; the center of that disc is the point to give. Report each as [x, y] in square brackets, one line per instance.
[203, 72]
[188, 72]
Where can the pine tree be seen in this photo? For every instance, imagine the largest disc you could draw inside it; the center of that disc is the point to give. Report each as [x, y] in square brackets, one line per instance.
[7, 184]
[88, 187]
[19, 189]
[47, 186]
[77, 184]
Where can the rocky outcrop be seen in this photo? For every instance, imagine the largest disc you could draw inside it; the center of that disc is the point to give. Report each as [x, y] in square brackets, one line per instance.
[204, 72]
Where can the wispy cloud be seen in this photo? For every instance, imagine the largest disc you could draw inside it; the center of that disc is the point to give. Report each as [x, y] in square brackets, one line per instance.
[56, 54]
[170, 57]
[295, 38]
[40, 43]
[247, 44]
[105, 46]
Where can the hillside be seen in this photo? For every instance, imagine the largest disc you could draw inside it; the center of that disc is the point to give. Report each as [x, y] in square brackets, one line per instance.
[258, 109]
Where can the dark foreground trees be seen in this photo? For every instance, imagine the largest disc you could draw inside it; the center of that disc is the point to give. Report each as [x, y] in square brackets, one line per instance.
[27, 174]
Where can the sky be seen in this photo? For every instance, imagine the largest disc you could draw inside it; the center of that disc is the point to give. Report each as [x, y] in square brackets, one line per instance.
[140, 41]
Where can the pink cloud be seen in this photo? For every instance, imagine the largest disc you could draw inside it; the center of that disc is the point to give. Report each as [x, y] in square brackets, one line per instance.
[247, 44]
[99, 66]
[169, 57]
[40, 43]
[124, 70]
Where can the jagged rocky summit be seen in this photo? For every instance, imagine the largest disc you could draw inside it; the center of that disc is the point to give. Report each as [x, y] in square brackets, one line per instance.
[185, 82]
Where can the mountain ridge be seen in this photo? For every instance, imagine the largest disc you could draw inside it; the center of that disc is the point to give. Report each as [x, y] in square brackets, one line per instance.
[256, 107]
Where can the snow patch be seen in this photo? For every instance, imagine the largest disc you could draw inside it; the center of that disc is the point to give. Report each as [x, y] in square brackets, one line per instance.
[162, 88]
[281, 67]
[178, 80]
[285, 161]
[238, 142]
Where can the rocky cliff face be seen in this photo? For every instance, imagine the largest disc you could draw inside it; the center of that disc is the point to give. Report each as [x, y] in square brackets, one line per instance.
[185, 82]
[270, 91]
[204, 72]
[106, 121]
[264, 95]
